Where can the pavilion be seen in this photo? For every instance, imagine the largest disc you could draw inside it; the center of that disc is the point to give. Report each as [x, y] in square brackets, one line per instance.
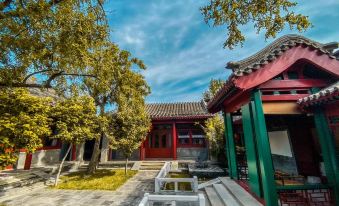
[281, 117]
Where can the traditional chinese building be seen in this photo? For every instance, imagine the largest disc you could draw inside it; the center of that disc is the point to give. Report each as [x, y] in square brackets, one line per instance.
[176, 132]
[281, 117]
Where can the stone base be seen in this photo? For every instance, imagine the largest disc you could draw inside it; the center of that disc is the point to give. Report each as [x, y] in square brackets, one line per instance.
[192, 153]
[211, 171]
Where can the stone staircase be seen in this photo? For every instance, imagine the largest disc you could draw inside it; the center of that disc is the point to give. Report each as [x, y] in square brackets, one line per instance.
[19, 181]
[151, 165]
[223, 191]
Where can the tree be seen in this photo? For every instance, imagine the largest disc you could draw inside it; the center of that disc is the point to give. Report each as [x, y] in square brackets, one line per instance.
[213, 88]
[75, 121]
[113, 69]
[214, 127]
[269, 15]
[24, 121]
[51, 38]
[131, 124]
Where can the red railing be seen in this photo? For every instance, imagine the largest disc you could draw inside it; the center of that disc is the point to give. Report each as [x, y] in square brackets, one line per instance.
[306, 197]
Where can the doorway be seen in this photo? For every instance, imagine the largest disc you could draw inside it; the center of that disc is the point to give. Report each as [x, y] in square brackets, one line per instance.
[159, 142]
[89, 145]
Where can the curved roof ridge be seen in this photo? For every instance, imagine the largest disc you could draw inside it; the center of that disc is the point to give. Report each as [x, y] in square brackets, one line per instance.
[329, 91]
[272, 51]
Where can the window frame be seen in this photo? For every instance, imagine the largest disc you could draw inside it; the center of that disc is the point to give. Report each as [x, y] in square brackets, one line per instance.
[190, 139]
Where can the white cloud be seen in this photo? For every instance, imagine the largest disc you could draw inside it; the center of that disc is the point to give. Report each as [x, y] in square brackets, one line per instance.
[182, 53]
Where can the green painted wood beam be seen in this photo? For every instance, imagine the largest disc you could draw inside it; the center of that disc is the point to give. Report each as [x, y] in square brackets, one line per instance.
[264, 151]
[231, 146]
[251, 153]
[227, 150]
[327, 145]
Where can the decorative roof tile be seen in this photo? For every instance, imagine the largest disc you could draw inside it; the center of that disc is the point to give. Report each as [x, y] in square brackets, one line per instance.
[178, 110]
[336, 54]
[322, 96]
[273, 51]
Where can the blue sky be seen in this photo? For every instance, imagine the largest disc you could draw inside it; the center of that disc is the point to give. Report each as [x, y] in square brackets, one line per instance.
[182, 53]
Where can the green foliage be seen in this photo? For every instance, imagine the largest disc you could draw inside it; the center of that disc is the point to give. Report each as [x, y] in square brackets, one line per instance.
[24, 121]
[269, 15]
[101, 180]
[215, 85]
[75, 119]
[112, 68]
[67, 43]
[214, 128]
[53, 37]
[116, 84]
[130, 125]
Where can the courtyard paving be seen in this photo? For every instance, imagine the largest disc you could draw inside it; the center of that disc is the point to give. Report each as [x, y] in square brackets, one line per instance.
[128, 194]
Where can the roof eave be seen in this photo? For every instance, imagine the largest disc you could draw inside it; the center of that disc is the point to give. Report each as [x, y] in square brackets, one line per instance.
[196, 117]
[217, 103]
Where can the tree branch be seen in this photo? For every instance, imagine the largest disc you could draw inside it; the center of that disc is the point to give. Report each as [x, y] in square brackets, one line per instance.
[16, 13]
[34, 73]
[5, 4]
[62, 73]
[25, 85]
[46, 84]
[52, 77]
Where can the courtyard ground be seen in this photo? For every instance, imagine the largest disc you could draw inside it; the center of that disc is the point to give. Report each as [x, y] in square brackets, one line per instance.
[128, 194]
[102, 179]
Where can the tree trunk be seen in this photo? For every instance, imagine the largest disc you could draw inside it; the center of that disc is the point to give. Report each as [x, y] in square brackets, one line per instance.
[126, 163]
[92, 166]
[61, 164]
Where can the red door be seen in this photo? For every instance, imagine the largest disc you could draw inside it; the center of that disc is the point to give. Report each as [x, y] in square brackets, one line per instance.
[159, 144]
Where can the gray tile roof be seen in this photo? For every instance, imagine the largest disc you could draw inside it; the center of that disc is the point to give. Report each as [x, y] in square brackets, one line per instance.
[273, 51]
[336, 54]
[329, 92]
[178, 110]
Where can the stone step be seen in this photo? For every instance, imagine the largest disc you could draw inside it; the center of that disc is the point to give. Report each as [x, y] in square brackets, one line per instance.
[225, 196]
[208, 183]
[213, 196]
[18, 191]
[151, 163]
[136, 165]
[20, 183]
[156, 166]
[149, 168]
[239, 193]
[207, 202]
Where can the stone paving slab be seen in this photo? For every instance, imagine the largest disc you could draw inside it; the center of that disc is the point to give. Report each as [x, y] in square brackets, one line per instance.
[128, 194]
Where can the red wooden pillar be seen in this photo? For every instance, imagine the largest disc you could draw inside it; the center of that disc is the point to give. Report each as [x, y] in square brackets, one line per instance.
[74, 155]
[28, 161]
[142, 151]
[174, 137]
[110, 154]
